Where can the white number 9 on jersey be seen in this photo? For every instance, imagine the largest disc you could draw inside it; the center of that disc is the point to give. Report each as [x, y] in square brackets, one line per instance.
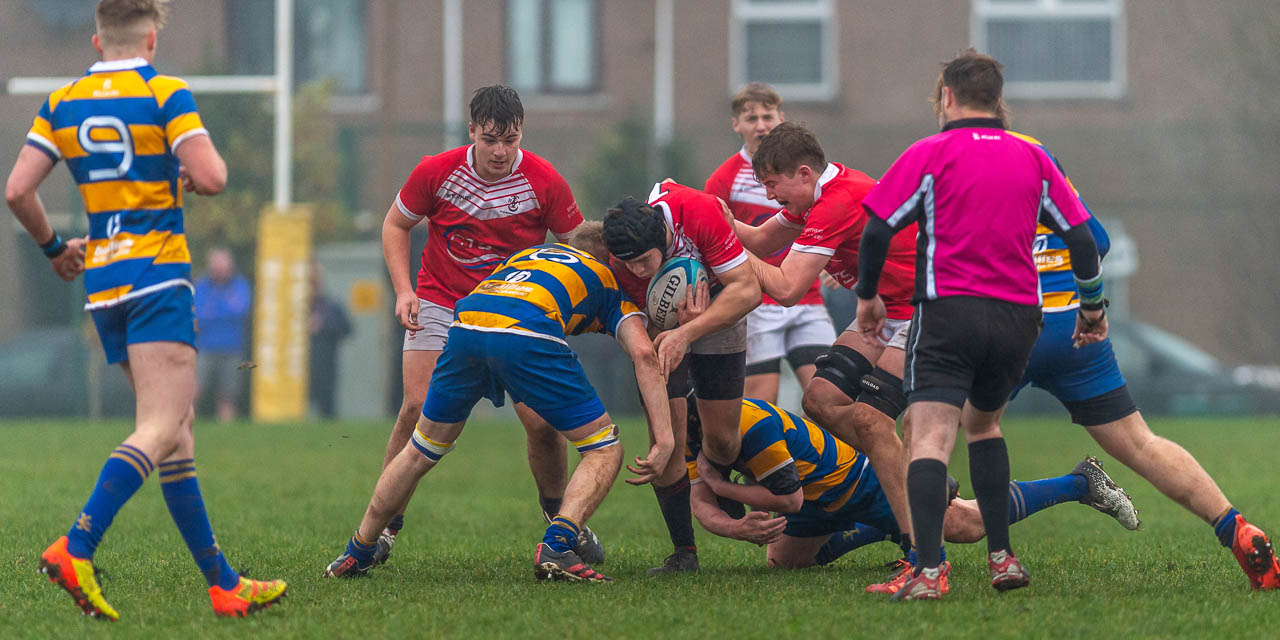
[122, 146]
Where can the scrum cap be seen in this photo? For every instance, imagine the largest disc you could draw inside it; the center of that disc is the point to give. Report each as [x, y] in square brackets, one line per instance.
[632, 228]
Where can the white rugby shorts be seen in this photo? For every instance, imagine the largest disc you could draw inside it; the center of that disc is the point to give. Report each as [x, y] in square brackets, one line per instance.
[435, 321]
[894, 333]
[773, 330]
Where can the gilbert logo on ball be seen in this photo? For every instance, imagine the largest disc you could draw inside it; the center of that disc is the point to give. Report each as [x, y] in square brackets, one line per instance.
[669, 287]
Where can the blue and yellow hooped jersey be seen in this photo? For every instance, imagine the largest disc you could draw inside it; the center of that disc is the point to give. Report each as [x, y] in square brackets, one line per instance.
[1057, 285]
[117, 127]
[548, 291]
[780, 448]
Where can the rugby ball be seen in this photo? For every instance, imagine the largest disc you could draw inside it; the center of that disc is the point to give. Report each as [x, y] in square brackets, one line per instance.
[668, 287]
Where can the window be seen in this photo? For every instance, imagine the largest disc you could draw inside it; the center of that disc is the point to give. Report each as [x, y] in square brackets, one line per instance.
[1054, 48]
[328, 41]
[790, 44]
[552, 46]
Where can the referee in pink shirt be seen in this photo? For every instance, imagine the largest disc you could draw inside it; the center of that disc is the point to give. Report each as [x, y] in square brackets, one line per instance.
[977, 193]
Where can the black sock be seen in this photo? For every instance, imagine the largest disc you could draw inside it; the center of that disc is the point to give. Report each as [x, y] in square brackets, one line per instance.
[673, 500]
[550, 506]
[396, 523]
[927, 487]
[989, 475]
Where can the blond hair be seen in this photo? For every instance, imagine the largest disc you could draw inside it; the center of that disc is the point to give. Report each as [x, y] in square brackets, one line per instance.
[589, 237]
[123, 23]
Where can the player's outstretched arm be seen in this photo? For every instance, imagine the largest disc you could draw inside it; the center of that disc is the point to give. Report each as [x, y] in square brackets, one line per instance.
[20, 192]
[789, 282]
[395, 252]
[653, 391]
[757, 527]
[768, 238]
[202, 168]
[757, 496]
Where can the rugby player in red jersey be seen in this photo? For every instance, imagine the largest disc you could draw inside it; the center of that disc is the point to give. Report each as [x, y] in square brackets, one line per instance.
[482, 202]
[856, 392]
[800, 333]
[679, 221]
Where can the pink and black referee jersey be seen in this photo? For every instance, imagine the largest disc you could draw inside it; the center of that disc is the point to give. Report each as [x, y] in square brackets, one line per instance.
[977, 192]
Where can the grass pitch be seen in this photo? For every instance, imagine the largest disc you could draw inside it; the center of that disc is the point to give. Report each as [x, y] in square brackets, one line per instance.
[284, 499]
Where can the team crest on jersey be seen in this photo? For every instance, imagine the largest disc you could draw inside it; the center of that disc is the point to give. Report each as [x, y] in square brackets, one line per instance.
[466, 250]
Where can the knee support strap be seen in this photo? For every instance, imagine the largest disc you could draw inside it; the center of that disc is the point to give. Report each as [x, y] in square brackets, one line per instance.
[430, 448]
[843, 367]
[605, 437]
[883, 391]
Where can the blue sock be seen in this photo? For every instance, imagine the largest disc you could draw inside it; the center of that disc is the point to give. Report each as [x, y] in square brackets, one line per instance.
[182, 494]
[911, 557]
[561, 535]
[1026, 498]
[845, 541]
[1225, 527]
[360, 550]
[124, 472]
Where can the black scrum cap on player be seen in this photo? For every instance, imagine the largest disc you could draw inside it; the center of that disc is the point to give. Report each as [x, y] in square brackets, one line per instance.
[632, 228]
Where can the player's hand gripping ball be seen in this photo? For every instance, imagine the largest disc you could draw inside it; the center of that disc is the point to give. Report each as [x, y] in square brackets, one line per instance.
[669, 287]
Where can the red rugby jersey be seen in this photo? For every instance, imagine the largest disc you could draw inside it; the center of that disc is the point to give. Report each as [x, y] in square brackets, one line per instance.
[474, 224]
[833, 227]
[698, 231]
[734, 181]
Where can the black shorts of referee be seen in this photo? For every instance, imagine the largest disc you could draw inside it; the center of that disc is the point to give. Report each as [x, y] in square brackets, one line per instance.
[968, 348]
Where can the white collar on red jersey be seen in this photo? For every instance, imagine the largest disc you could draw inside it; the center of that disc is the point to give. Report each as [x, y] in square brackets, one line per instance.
[471, 162]
[746, 157]
[118, 65]
[827, 176]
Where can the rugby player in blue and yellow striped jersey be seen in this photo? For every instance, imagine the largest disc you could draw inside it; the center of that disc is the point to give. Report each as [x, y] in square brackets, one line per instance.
[133, 141]
[508, 336]
[1087, 381]
[828, 496]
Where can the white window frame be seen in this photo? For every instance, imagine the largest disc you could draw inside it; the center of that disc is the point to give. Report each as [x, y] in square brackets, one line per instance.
[745, 12]
[982, 10]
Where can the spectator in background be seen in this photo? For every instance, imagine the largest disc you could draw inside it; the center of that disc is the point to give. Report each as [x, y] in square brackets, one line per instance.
[329, 326]
[222, 303]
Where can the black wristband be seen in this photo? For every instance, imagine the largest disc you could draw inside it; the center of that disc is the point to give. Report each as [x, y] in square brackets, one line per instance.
[55, 247]
[1096, 306]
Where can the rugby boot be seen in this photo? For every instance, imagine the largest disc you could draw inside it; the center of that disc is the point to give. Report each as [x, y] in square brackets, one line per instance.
[683, 560]
[1104, 495]
[250, 596]
[903, 575]
[382, 549]
[346, 566]
[79, 577]
[1006, 572]
[929, 584]
[550, 565]
[589, 547]
[953, 489]
[1253, 551]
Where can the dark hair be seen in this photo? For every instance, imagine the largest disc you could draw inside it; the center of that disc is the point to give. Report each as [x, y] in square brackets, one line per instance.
[976, 80]
[755, 92]
[787, 147]
[497, 105]
[633, 228]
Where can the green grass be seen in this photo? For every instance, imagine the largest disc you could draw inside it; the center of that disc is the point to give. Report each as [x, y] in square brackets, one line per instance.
[284, 500]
